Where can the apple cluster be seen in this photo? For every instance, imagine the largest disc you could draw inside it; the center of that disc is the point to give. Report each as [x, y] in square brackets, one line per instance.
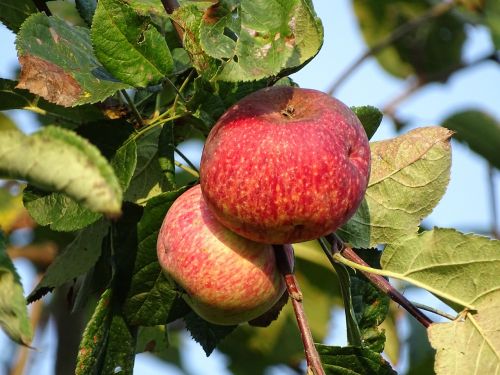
[283, 165]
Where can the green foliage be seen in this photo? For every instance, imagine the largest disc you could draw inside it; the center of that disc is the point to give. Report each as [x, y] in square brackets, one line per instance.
[14, 12]
[416, 164]
[478, 332]
[58, 63]
[85, 175]
[460, 268]
[478, 130]
[370, 117]
[86, 247]
[128, 45]
[351, 360]
[427, 51]
[13, 312]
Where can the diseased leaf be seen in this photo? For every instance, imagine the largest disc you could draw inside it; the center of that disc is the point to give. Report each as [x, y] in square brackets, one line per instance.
[471, 345]
[78, 257]
[151, 299]
[120, 349]
[95, 336]
[57, 210]
[152, 339]
[208, 335]
[58, 63]
[416, 165]
[249, 40]
[128, 45]
[84, 176]
[459, 268]
[14, 12]
[370, 118]
[351, 360]
[13, 312]
[427, 51]
[479, 130]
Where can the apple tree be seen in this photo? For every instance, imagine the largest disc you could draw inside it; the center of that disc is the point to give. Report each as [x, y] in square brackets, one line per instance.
[118, 85]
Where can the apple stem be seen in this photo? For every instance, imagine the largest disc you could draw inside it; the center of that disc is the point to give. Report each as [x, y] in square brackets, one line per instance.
[339, 249]
[292, 286]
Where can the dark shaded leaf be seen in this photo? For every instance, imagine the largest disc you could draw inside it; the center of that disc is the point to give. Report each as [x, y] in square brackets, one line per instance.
[86, 8]
[78, 257]
[370, 118]
[13, 312]
[352, 360]
[120, 349]
[208, 335]
[479, 130]
[14, 12]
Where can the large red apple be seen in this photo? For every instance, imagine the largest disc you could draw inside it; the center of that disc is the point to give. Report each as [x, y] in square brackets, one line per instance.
[285, 165]
[227, 279]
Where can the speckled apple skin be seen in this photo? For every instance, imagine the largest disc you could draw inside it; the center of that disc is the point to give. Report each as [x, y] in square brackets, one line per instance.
[227, 279]
[278, 178]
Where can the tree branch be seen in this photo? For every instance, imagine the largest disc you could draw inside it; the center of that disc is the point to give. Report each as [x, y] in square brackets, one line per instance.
[292, 286]
[434, 12]
[379, 281]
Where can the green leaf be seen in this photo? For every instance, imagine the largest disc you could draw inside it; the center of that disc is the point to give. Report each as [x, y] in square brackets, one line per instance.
[208, 335]
[152, 8]
[492, 16]
[86, 8]
[84, 176]
[13, 312]
[6, 124]
[124, 163]
[370, 305]
[409, 175]
[421, 354]
[470, 345]
[58, 63]
[479, 130]
[57, 210]
[166, 148]
[427, 51]
[95, 336]
[259, 39]
[128, 45]
[459, 268]
[78, 257]
[14, 12]
[352, 360]
[370, 118]
[148, 179]
[120, 349]
[152, 339]
[151, 299]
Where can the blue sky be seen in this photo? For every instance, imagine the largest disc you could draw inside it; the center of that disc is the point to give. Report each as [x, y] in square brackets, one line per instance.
[465, 206]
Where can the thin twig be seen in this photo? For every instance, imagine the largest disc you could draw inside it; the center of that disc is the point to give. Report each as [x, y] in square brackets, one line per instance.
[132, 106]
[384, 285]
[292, 285]
[184, 157]
[493, 202]
[433, 310]
[434, 12]
[192, 172]
[416, 83]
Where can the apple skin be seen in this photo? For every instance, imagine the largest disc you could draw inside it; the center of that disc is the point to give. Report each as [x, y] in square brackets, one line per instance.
[227, 279]
[285, 165]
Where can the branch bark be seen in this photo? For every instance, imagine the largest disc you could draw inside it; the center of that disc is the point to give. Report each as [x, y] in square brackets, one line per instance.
[292, 285]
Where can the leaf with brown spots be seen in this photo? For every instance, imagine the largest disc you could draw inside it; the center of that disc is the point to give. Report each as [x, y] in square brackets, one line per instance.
[58, 63]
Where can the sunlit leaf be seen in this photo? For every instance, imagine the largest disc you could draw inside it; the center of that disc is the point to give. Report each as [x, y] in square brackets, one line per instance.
[84, 176]
[58, 63]
[128, 45]
[459, 268]
[409, 175]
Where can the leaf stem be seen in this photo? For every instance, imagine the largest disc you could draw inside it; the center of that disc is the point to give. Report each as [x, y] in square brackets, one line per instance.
[346, 255]
[155, 124]
[184, 157]
[292, 286]
[433, 310]
[493, 202]
[437, 10]
[133, 107]
[187, 169]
